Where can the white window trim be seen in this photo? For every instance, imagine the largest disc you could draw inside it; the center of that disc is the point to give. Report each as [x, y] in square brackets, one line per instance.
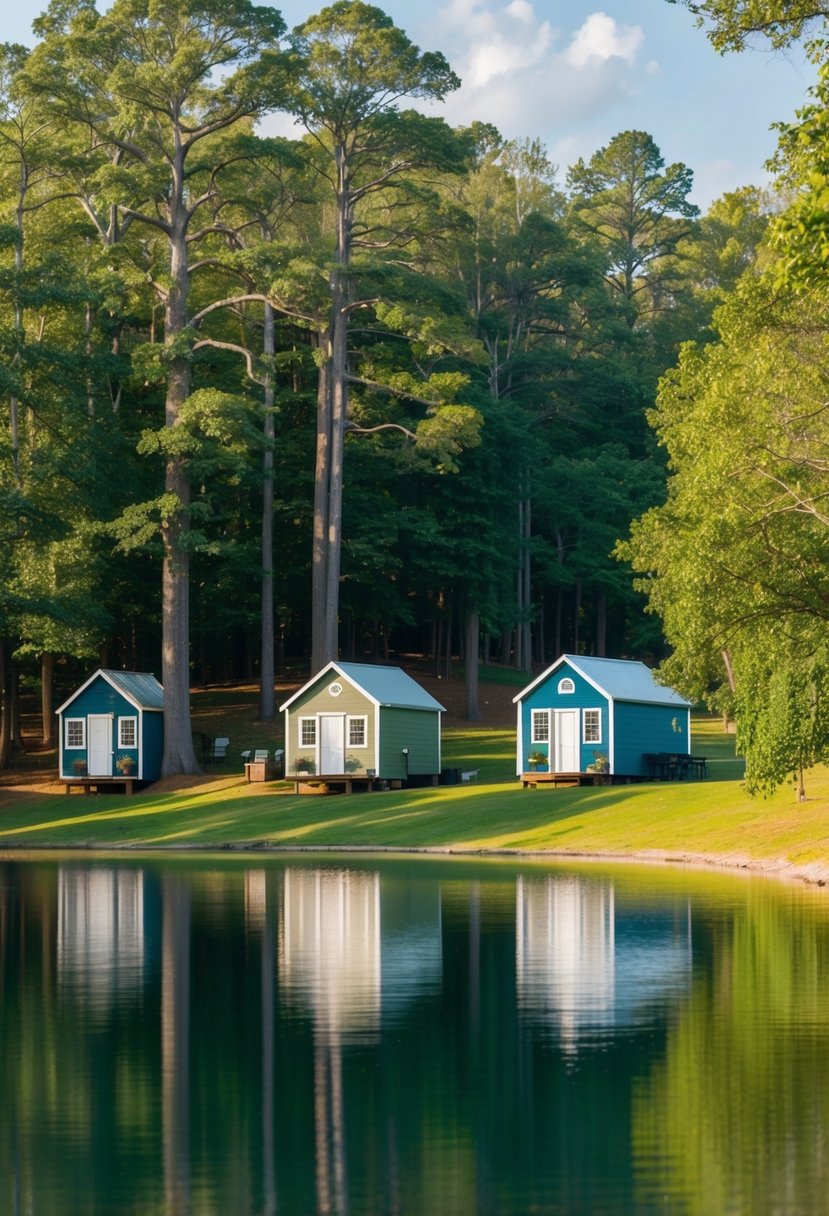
[566, 686]
[71, 747]
[584, 713]
[121, 742]
[542, 713]
[300, 721]
[356, 718]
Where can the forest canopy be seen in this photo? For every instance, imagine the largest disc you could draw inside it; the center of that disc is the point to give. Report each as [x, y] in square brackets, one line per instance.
[381, 388]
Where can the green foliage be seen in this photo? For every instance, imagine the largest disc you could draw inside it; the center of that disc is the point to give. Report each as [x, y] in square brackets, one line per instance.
[734, 562]
[732, 24]
[782, 708]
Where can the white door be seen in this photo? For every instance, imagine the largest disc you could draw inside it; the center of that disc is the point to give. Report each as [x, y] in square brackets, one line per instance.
[99, 745]
[567, 741]
[332, 743]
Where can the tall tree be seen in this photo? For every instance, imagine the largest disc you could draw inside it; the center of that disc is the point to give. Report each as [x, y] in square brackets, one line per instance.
[734, 562]
[637, 209]
[158, 82]
[351, 69]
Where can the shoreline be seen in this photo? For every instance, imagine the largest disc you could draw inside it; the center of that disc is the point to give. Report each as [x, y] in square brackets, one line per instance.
[809, 873]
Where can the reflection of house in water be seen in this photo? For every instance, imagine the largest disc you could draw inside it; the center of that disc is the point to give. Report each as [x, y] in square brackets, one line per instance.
[101, 946]
[585, 965]
[329, 947]
[352, 947]
[337, 961]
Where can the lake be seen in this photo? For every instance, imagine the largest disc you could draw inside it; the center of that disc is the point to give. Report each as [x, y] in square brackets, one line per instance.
[258, 1035]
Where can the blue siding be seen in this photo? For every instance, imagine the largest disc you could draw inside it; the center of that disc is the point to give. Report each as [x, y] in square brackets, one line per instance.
[153, 740]
[647, 728]
[546, 696]
[101, 698]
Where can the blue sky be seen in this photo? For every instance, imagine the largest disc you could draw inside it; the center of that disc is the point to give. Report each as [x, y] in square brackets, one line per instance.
[575, 73]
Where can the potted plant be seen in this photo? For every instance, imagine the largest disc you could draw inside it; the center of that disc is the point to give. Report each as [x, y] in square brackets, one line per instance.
[125, 764]
[352, 764]
[537, 759]
[304, 764]
[79, 768]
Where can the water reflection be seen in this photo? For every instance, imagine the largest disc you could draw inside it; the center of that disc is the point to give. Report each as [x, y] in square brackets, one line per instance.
[100, 939]
[329, 949]
[420, 1039]
[586, 968]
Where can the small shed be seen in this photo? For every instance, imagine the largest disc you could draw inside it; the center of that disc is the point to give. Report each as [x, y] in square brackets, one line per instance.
[113, 718]
[584, 711]
[364, 719]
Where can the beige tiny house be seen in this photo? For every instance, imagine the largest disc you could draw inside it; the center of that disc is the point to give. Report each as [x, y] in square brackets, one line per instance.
[363, 719]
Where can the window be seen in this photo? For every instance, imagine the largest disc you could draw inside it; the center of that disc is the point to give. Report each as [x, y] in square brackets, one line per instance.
[541, 726]
[307, 732]
[566, 685]
[592, 726]
[356, 732]
[76, 732]
[128, 732]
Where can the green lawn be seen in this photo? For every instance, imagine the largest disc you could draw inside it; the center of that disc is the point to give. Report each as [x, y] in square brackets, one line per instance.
[713, 817]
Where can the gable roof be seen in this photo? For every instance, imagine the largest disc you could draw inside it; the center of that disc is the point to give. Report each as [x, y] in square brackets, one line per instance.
[140, 688]
[385, 686]
[619, 679]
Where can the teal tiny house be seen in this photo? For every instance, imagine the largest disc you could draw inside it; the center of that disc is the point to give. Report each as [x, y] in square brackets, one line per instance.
[112, 726]
[586, 714]
[363, 719]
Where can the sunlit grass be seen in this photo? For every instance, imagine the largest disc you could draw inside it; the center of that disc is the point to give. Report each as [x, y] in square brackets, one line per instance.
[693, 818]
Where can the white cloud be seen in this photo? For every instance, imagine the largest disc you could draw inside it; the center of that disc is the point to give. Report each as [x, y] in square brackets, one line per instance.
[600, 39]
[519, 73]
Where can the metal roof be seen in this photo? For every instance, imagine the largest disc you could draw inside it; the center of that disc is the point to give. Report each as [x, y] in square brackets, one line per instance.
[387, 686]
[620, 679]
[140, 688]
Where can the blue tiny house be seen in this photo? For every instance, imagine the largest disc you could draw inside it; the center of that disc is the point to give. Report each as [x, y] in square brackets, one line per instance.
[114, 718]
[584, 713]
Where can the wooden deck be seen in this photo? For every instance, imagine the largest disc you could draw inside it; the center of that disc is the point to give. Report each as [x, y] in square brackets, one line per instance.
[348, 783]
[100, 785]
[532, 780]
[313, 783]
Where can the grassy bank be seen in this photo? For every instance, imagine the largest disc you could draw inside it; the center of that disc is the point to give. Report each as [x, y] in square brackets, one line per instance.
[709, 819]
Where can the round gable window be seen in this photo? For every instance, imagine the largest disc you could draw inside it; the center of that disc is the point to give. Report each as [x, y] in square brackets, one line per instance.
[335, 689]
[566, 685]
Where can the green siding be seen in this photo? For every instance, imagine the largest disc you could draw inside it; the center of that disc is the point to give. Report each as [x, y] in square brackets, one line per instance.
[388, 730]
[417, 729]
[318, 700]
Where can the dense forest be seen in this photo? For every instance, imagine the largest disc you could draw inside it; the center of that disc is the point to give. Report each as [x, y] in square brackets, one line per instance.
[389, 387]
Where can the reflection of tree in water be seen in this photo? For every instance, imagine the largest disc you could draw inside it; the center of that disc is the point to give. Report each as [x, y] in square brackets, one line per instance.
[175, 1044]
[737, 1112]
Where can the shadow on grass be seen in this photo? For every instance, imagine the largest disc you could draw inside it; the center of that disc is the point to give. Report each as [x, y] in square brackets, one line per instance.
[477, 816]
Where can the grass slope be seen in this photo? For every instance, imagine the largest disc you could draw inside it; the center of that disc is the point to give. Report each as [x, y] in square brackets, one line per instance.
[711, 819]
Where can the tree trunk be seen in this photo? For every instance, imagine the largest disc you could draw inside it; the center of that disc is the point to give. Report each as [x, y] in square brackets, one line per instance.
[5, 703]
[526, 591]
[472, 645]
[179, 754]
[267, 670]
[601, 624]
[319, 556]
[47, 673]
[576, 615]
[339, 407]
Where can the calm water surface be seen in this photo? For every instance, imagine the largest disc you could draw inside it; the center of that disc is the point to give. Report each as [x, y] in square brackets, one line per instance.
[247, 1037]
